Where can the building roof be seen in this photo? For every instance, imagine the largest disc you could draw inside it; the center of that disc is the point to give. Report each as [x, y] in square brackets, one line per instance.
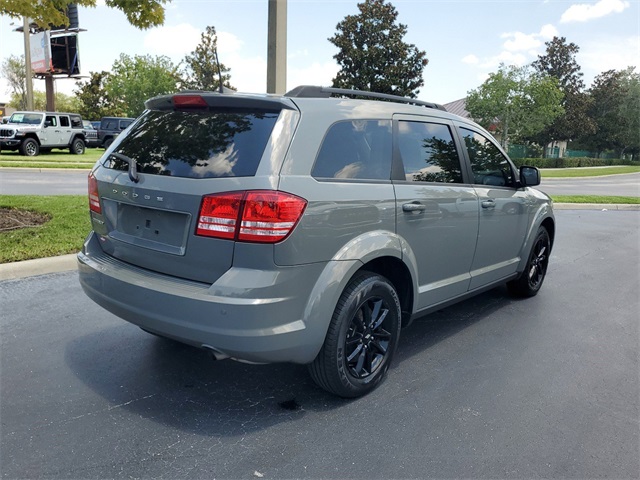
[458, 108]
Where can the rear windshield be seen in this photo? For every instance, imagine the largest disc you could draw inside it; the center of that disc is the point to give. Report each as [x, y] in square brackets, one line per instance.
[191, 144]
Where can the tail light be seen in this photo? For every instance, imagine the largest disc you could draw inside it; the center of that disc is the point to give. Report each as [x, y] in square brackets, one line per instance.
[262, 216]
[94, 196]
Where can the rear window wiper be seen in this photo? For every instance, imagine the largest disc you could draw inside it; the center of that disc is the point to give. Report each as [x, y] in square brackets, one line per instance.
[133, 169]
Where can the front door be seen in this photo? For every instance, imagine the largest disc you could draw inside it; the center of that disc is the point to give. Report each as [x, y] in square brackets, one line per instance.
[436, 207]
[504, 212]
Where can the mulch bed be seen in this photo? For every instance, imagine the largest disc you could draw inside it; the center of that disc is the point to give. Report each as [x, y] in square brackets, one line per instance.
[15, 219]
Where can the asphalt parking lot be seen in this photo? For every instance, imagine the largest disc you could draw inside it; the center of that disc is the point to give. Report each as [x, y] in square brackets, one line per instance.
[491, 388]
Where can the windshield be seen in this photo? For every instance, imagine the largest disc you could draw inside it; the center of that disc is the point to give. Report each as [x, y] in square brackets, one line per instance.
[26, 118]
[208, 144]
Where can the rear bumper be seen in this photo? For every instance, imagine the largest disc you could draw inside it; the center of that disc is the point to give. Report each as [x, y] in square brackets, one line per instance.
[252, 315]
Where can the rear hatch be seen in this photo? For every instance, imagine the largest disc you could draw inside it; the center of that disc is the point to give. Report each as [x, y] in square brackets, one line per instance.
[147, 192]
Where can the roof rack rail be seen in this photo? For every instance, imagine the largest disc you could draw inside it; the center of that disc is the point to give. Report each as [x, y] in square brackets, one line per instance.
[312, 91]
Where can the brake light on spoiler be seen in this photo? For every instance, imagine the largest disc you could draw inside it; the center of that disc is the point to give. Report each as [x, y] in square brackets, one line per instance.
[263, 216]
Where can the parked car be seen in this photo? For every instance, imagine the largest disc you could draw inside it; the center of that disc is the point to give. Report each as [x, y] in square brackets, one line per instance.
[33, 132]
[306, 228]
[110, 128]
[91, 134]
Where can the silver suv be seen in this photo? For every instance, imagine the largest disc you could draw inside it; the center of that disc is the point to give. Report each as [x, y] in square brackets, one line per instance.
[306, 228]
[35, 132]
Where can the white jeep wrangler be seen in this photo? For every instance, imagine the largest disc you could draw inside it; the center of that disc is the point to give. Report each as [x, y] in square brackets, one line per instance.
[33, 132]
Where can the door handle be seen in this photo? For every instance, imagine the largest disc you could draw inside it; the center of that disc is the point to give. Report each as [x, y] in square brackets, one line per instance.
[413, 207]
[488, 203]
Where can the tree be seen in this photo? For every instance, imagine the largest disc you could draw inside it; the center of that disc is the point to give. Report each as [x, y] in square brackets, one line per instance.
[13, 69]
[202, 70]
[141, 13]
[516, 103]
[64, 103]
[134, 80]
[372, 54]
[560, 63]
[93, 98]
[615, 105]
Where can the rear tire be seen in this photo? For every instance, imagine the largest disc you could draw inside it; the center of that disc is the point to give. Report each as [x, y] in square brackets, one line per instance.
[77, 146]
[529, 283]
[362, 338]
[29, 148]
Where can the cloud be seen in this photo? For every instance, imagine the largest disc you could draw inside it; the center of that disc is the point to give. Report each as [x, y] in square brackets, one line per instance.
[178, 40]
[584, 12]
[606, 53]
[471, 60]
[519, 42]
[315, 74]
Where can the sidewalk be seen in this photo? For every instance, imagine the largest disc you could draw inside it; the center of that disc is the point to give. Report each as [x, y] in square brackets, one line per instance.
[65, 263]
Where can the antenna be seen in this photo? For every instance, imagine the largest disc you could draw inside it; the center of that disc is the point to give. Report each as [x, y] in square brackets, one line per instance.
[215, 51]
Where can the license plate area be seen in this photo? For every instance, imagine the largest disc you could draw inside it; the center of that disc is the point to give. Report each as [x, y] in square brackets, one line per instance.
[159, 230]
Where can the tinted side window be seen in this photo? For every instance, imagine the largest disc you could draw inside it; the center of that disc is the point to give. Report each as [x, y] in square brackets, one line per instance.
[50, 121]
[355, 149]
[64, 122]
[125, 123]
[428, 152]
[489, 165]
[109, 124]
[76, 122]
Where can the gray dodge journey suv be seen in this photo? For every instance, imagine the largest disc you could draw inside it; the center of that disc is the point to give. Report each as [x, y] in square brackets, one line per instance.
[308, 227]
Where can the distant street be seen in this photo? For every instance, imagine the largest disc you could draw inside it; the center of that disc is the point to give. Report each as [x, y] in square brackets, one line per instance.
[32, 181]
[624, 185]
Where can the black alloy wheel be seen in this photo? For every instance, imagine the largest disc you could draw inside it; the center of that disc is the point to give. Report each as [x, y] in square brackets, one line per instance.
[362, 337]
[529, 283]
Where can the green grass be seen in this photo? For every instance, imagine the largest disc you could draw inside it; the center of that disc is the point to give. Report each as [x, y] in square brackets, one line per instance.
[595, 199]
[587, 171]
[54, 159]
[64, 233]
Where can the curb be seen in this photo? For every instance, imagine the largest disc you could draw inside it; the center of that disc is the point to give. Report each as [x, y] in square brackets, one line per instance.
[39, 266]
[596, 206]
[65, 263]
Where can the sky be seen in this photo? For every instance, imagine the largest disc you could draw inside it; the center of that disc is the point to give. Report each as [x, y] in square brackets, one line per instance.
[464, 40]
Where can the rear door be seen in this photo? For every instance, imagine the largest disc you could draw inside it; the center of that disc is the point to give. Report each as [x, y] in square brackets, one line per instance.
[436, 207]
[504, 211]
[180, 155]
[64, 132]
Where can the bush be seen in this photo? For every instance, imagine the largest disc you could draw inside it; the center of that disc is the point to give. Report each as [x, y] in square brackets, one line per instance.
[572, 162]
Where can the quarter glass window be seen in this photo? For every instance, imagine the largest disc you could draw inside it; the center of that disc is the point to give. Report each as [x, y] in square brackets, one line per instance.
[356, 149]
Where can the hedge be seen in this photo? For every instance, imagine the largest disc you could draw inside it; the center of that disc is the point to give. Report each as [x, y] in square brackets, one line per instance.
[568, 162]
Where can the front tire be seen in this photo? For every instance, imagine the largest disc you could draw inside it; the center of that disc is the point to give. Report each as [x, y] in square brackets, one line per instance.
[29, 148]
[77, 146]
[362, 338]
[529, 283]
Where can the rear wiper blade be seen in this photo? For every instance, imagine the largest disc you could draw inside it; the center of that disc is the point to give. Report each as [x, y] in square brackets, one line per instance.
[133, 169]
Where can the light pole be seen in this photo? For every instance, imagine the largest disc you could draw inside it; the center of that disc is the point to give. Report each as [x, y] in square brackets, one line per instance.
[277, 47]
[27, 63]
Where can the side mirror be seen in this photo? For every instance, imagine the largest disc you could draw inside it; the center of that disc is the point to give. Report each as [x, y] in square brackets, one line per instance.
[47, 123]
[529, 176]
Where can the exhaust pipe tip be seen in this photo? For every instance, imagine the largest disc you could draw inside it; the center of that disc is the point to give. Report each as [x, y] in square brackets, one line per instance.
[216, 354]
